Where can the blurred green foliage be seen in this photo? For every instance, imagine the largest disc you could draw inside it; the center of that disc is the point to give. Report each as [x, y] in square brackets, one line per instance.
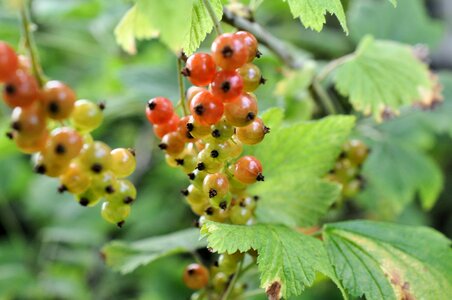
[49, 245]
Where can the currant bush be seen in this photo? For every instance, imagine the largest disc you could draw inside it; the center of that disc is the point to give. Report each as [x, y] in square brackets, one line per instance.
[49, 122]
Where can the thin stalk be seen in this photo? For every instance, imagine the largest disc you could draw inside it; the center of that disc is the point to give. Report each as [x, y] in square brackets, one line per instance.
[331, 66]
[213, 16]
[180, 79]
[324, 98]
[27, 27]
[231, 284]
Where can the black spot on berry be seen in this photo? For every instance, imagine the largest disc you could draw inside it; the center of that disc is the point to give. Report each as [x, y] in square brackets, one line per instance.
[256, 198]
[128, 200]
[196, 224]
[343, 154]
[121, 223]
[9, 135]
[216, 264]
[62, 188]
[16, 126]
[227, 51]
[223, 205]
[186, 72]
[101, 105]
[201, 166]
[199, 109]
[179, 161]
[226, 86]
[53, 107]
[152, 105]
[189, 136]
[191, 271]
[212, 193]
[191, 176]
[40, 169]
[60, 149]
[258, 54]
[260, 177]
[10, 89]
[262, 80]
[184, 192]
[132, 151]
[96, 168]
[214, 154]
[84, 201]
[109, 189]
[216, 133]
[266, 129]
[250, 116]
[209, 211]
[163, 146]
[190, 127]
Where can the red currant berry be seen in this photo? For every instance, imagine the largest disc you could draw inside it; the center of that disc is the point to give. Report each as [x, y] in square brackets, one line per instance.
[253, 133]
[8, 61]
[161, 129]
[227, 85]
[159, 110]
[32, 144]
[28, 121]
[64, 144]
[21, 89]
[183, 129]
[192, 92]
[196, 276]
[248, 169]
[251, 76]
[206, 108]
[200, 69]
[172, 143]
[242, 111]
[58, 100]
[216, 185]
[250, 43]
[229, 52]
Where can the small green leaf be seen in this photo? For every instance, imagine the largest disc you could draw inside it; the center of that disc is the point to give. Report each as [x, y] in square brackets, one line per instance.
[389, 261]
[285, 256]
[312, 12]
[126, 257]
[201, 24]
[294, 158]
[381, 75]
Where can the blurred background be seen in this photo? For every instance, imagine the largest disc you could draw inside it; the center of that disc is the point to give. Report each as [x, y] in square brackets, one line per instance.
[50, 245]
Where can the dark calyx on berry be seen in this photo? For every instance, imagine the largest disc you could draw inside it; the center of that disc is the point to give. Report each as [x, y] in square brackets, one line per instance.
[201, 166]
[132, 151]
[209, 211]
[199, 109]
[84, 201]
[191, 176]
[196, 224]
[226, 86]
[242, 204]
[40, 169]
[16, 126]
[120, 224]
[189, 136]
[152, 105]
[53, 108]
[186, 72]
[101, 105]
[109, 189]
[191, 271]
[179, 161]
[256, 198]
[62, 188]
[262, 80]
[184, 192]
[212, 193]
[128, 200]
[250, 116]
[163, 146]
[258, 54]
[266, 129]
[9, 135]
[190, 127]
[216, 133]
[227, 51]
[96, 168]
[260, 177]
[214, 154]
[60, 149]
[223, 205]
[10, 89]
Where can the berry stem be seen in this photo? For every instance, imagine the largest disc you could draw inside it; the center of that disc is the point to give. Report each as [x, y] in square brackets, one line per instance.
[180, 79]
[332, 65]
[27, 27]
[213, 16]
[324, 98]
[231, 284]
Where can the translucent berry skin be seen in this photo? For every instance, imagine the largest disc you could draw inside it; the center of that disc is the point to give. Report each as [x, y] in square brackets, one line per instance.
[229, 51]
[242, 111]
[250, 42]
[251, 76]
[64, 144]
[240, 215]
[104, 183]
[95, 157]
[49, 166]
[8, 61]
[123, 162]
[31, 144]
[88, 198]
[165, 128]
[227, 263]
[75, 179]
[115, 213]
[227, 86]
[248, 170]
[196, 129]
[216, 185]
[197, 178]
[21, 89]
[208, 163]
[195, 196]
[200, 69]
[196, 276]
[253, 133]
[172, 143]
[159, 110]
[183, 130]
[86, 115]
[206, 108]
[192, 91]
[58, 100]
[125, 193]
[222, 131]
[28, 121]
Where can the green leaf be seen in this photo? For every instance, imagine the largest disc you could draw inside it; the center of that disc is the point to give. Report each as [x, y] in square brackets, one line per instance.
[380, 19]
[286, 257]
[382, 75]
[312, 12]
[201, 24]
[389, 261]
[294, 158]
[126, 257]
[170, 20]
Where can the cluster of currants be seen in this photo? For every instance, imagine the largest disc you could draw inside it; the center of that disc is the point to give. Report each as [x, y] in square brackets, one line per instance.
[207, 144]
[50, 123]
[348, 168]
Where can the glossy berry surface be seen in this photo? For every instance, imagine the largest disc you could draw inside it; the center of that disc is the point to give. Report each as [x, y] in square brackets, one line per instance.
[196, 129]
[115, 213]
[251, 76]
[159, 110]
[227, 86]
[242, 111]
[31, 144]
[125, 193]
[196, 276]
[64, 144]
[96, 157]
[250, 42]
[74, 179]
[172, 143]
[229, 51]
[165, 128]
[123, 162]
[21, 89]
[86, 115]
[58, 100]
[248, 169]
[28, 121]
[253, 133]
[206, 108]
[200, 69]
[8, 61]
[216, 185]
